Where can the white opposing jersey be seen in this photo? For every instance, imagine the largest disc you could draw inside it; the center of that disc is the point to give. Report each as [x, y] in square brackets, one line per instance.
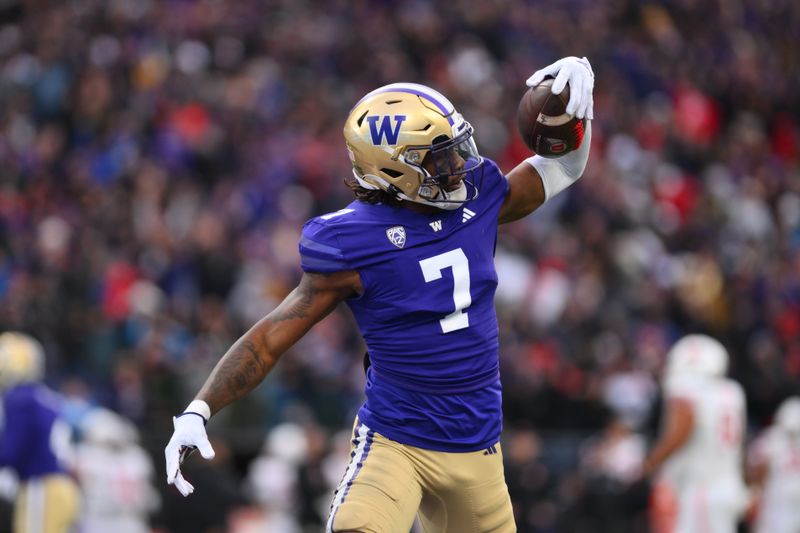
[118, 489]
[714, 449]
[780, 504]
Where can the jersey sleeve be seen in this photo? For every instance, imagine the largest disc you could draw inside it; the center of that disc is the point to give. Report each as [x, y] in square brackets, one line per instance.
[320, 250]
[759, 449]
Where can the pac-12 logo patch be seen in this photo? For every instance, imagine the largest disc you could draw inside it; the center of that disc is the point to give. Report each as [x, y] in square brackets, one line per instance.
[397, 236]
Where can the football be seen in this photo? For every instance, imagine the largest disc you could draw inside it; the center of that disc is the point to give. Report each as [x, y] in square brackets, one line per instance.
[544, 124]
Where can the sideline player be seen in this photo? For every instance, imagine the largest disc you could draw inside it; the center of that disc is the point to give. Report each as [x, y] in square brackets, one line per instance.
[34, 441]
[699, 485]
[115, 474]
[775, 463]
[413, 258]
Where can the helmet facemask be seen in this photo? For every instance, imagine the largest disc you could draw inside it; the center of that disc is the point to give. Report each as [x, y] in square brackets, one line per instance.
[443, 163]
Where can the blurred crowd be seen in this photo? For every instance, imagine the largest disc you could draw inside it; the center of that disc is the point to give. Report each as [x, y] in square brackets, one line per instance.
[158, 158]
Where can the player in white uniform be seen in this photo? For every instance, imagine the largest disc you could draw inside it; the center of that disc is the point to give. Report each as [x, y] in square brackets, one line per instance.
[116, 476]
[699, 486]
[775, 459]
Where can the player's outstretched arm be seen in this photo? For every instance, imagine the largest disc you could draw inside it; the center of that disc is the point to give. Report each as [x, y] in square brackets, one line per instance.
[537, 179]
[677, 430]
[250, 359]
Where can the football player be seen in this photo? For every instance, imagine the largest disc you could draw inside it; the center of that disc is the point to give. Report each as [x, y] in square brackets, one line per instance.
[699, 486]
[775, 462]
[115, 474]
[412, 257]
[34, 442]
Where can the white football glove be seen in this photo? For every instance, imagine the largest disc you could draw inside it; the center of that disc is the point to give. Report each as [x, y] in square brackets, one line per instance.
[578, 72]
[189, 435]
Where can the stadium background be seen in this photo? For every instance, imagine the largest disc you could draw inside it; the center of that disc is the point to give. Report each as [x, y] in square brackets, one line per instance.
[157, 159]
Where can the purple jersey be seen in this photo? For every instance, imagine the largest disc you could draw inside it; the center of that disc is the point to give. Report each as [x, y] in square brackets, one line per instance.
[426, 314]
[31, 431]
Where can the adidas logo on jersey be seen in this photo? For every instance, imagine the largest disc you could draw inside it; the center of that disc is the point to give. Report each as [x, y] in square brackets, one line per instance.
[466, 214]
[436, 225]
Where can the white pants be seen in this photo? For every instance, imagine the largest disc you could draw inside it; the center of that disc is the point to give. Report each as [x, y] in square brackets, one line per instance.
[713, 507]
[778, 518]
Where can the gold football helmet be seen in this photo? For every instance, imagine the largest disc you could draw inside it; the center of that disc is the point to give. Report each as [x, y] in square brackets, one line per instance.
[21, 359]
[408, 140]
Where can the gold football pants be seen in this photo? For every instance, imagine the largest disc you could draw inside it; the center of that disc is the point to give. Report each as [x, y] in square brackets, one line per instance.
[387, 484]
[46, 505]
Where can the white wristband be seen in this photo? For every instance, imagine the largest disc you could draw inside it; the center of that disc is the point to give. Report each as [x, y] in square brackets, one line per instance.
[200, 407]
[559, 173]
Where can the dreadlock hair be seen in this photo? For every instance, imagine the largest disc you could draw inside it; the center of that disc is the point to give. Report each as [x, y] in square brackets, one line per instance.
[371, 196]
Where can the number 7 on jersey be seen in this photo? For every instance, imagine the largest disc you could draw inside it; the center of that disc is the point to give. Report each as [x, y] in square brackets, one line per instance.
[459, 264]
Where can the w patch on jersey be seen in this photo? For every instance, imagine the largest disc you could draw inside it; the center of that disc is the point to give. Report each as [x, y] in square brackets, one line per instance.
[385, 128]
[397, 236]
